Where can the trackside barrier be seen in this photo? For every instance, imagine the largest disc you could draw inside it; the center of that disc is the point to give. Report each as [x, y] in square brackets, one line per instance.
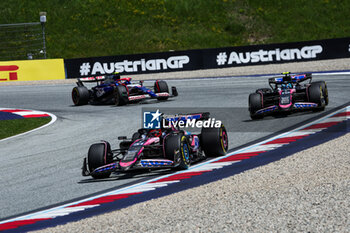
[209, 58]
[32, 70]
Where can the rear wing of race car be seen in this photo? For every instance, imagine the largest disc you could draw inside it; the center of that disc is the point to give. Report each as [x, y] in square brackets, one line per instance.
[98, 79]
[290, 78]
[90, 80]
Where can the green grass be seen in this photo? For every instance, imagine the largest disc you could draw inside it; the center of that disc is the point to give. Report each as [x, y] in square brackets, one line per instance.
[12, 127]
[84, 28]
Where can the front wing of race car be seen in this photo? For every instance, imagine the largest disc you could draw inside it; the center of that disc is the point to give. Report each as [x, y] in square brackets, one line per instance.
[148, 94]
[115, 167]
[295, 107]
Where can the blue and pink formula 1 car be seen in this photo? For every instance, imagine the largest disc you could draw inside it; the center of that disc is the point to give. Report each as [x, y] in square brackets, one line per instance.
[171, 147]
[287, 94]
[120, 91]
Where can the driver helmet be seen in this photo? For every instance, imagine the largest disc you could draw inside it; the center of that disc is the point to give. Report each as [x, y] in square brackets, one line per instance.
[116, 76]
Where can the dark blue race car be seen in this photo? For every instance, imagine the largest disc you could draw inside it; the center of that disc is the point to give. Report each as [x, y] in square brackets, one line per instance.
[287, 94]
[112, 89]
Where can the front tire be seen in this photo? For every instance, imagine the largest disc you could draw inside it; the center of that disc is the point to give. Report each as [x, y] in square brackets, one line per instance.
[316, 96]
[161, 86]
[324, 90]
[214, 141]
[177, 149]
[99, 155]
[80, 95]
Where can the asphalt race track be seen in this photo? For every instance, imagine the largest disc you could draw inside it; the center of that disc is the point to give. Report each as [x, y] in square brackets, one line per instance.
[43, 168]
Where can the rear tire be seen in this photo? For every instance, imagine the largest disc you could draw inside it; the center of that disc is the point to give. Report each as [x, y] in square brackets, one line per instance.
[80, 95]
[99, 155]
[214, 141]
[255, 104]
[159, 87]
[316, 96]
[177, 149]
[121, 95]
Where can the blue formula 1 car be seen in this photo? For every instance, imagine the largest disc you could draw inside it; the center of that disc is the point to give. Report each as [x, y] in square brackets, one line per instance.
[111, 89]
[167, 147]
[287, 94]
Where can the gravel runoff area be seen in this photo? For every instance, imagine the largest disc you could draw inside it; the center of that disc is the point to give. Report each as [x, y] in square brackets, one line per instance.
[324, 65]
[305, 192]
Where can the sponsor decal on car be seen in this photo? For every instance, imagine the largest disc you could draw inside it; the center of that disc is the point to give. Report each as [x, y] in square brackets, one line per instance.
[137, 97]
[92, 78]
[164, 94]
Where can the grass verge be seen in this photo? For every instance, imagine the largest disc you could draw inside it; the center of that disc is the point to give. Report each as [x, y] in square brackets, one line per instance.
[87, 28]
[9, 128]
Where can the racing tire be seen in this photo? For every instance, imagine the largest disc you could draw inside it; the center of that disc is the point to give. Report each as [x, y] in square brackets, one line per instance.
[324, 90]
[255, 104]
[315, 92]
[99, 155]
[214, 141]
[161, 86]
[177, 149]
[80, 95]
[121, 95]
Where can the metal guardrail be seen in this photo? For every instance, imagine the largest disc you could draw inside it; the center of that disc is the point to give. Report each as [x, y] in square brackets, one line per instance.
[21, 41]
